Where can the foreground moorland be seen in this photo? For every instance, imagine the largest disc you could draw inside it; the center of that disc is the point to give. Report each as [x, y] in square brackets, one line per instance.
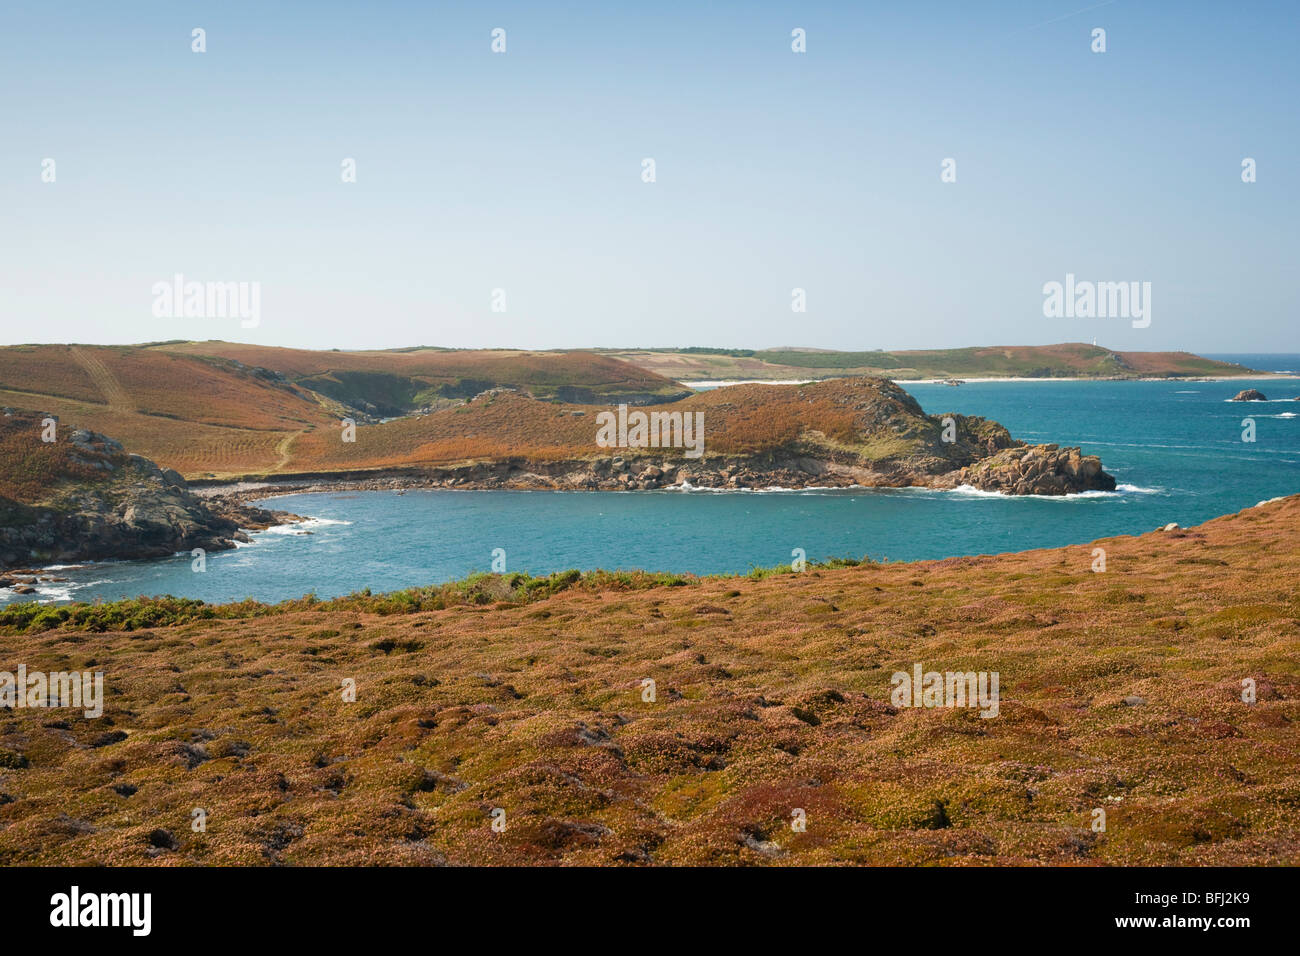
[1120, 691]
[1068, 360]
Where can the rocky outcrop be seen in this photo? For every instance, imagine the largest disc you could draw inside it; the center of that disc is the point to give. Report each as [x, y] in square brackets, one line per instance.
[1249, 395]
[109, 504]
[1035, 470]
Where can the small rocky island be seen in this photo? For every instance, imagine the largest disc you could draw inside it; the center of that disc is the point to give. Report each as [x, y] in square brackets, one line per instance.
[1249, 395]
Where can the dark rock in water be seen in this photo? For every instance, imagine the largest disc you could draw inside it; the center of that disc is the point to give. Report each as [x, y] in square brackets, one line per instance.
[1249, 395]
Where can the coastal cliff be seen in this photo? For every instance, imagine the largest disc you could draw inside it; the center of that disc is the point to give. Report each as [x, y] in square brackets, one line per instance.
[85, 498]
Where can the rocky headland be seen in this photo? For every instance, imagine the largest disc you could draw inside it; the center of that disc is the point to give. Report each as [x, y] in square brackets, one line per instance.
[86, 498]
[863, 432]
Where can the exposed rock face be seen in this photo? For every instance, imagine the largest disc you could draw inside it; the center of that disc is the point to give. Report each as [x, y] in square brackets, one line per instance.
[1249, 395]
[116, 505]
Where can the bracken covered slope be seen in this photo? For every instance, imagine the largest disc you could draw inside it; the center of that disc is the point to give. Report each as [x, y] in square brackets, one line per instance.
[222, 409]
[1120, 691]
[395, 381]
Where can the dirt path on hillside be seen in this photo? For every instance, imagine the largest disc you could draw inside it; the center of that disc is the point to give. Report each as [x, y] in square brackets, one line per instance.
[284, 450]
[114, 394]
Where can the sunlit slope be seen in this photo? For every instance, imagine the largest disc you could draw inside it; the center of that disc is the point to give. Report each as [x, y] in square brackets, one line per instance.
[396, 381]
[184, 412]
[241, 412]
[870, 419]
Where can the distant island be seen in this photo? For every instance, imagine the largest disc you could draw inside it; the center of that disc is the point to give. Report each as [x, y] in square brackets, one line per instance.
[1068, 360]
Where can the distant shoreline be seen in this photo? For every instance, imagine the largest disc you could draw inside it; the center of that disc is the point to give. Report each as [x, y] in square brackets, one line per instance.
[726, 383]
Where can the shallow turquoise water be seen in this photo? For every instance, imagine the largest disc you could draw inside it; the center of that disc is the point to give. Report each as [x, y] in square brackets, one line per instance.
[1175, 448]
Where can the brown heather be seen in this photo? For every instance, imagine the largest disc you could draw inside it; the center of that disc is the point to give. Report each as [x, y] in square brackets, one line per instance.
[1119, 690]
[221, 409]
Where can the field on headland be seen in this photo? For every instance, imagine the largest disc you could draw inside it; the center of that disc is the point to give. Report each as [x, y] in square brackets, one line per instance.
[1120, 691]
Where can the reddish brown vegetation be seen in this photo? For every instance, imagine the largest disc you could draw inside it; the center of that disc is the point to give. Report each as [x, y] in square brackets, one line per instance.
[1120, 690]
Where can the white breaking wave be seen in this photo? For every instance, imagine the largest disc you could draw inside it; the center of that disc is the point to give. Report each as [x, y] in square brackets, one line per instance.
[769, 489]
[301, 527]
[973, 492]
[1120, 490]
[968, 491]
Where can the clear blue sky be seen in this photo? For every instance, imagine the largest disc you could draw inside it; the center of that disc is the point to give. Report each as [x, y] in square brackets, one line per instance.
[775, 170]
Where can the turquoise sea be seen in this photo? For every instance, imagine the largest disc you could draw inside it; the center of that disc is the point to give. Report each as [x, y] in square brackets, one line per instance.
[1175, 447]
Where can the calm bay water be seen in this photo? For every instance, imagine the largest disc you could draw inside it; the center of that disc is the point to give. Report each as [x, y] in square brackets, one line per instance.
[1175, 448]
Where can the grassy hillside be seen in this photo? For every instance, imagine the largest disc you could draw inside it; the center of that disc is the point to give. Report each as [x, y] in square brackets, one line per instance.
[1119, 691]
[229, 420]
[219, 409]
[868, 418]
[33, 471]
[397, 381]
[1071, 360]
